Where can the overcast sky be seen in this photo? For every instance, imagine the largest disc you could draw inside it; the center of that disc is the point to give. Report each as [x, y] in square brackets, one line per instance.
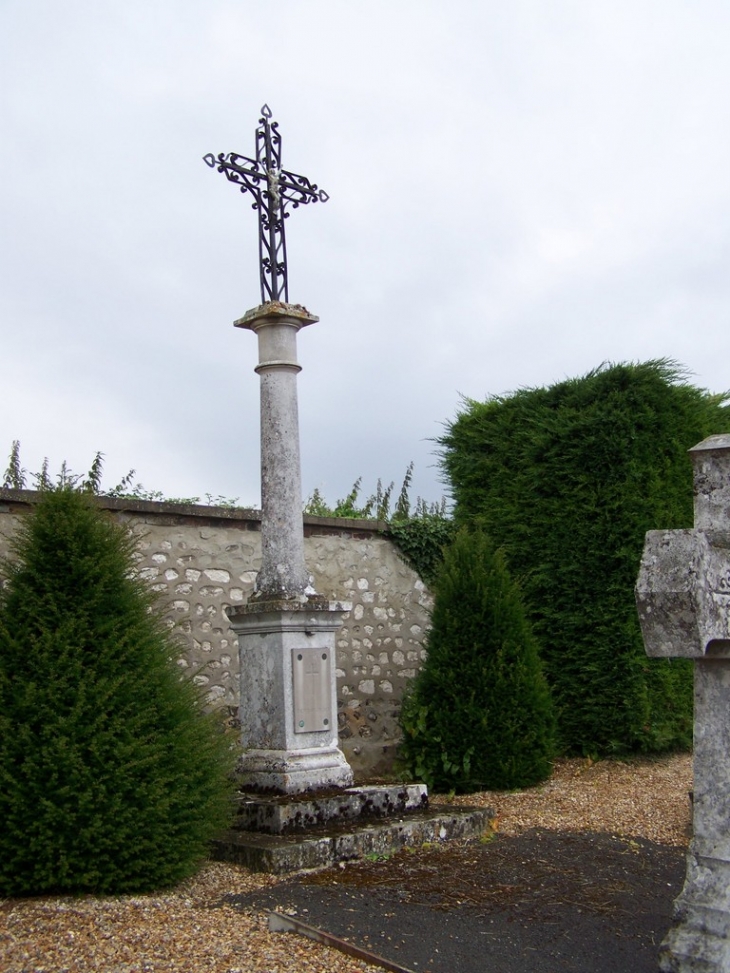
[519, 191]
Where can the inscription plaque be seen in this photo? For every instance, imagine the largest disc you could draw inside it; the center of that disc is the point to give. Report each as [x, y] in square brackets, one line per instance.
[312, 678]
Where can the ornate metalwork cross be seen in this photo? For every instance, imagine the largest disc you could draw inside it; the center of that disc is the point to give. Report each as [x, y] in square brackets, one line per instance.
[272, 188]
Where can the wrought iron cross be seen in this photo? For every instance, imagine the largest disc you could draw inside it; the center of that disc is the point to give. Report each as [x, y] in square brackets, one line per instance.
[272, 188]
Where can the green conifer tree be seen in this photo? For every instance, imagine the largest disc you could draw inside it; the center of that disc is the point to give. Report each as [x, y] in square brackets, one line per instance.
[112, 778]
[479, 715]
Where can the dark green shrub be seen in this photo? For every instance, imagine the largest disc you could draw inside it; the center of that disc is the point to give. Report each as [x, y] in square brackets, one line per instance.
[112, 779]
[479, 713]
[567, 480]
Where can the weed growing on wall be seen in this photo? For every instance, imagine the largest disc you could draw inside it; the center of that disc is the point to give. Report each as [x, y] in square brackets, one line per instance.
[567, 480]
[112, 778]
[376, 507]
[479, 714]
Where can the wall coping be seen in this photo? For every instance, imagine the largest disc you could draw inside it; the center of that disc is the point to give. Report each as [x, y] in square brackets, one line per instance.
[200, 512]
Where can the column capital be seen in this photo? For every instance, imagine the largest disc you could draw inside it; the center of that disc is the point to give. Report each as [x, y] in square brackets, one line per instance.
[276, 312]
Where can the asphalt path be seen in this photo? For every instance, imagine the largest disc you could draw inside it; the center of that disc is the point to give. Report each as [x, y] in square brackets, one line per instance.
[542, 902]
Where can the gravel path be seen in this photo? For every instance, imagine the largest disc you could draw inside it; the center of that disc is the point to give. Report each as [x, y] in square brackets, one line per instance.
[199, 928]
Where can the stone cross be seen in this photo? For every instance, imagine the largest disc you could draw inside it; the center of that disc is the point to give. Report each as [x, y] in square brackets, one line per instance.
[683, 599]
[286, 632]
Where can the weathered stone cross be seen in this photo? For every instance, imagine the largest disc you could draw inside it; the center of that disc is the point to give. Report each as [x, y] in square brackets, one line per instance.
[683, 599]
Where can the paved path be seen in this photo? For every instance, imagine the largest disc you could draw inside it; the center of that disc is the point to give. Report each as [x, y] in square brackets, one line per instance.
[543, 902]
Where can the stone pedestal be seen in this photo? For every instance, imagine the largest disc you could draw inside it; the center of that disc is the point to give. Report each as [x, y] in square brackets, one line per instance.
[683, 598]
[286, 633]
[289, 696]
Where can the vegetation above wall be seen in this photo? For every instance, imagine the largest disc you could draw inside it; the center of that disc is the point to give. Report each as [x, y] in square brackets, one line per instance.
[419, 530]
[16, 477]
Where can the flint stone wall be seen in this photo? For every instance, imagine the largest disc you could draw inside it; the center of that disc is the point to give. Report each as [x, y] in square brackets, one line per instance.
[202, 559]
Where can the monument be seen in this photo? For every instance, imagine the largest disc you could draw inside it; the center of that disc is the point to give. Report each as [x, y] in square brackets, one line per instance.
[683, 599]
[286, 632]
[297, 808]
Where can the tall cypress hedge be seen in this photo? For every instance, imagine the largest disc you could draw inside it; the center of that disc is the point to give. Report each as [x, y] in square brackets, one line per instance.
[567, 480]
[112, 778]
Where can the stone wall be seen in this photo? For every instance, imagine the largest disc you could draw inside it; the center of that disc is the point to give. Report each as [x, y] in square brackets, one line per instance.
[202, 559]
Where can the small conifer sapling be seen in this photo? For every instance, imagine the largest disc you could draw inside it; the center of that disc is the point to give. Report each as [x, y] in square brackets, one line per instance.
[479, 715]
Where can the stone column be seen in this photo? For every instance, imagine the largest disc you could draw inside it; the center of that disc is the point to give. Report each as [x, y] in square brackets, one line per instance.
[283, 572]
[683, 599]
[286, 632]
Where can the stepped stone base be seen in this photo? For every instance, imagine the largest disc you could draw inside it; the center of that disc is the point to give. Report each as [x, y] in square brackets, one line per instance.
[281, 834]
[325, 845]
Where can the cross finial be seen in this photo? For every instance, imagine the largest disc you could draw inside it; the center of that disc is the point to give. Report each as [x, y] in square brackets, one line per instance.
[272, 189]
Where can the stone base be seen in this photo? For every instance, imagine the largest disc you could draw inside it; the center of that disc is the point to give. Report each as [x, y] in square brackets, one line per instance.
[284, 815]
[289, 695]
[700, 940]
[294, 772]
[280, 854]
[288, 834]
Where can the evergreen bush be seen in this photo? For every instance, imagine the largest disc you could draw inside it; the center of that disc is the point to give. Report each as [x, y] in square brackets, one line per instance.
[112, 777]
[567, 480]
[479, 713]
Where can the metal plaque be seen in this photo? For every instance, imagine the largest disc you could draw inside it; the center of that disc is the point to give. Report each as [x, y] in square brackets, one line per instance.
[312, 678]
